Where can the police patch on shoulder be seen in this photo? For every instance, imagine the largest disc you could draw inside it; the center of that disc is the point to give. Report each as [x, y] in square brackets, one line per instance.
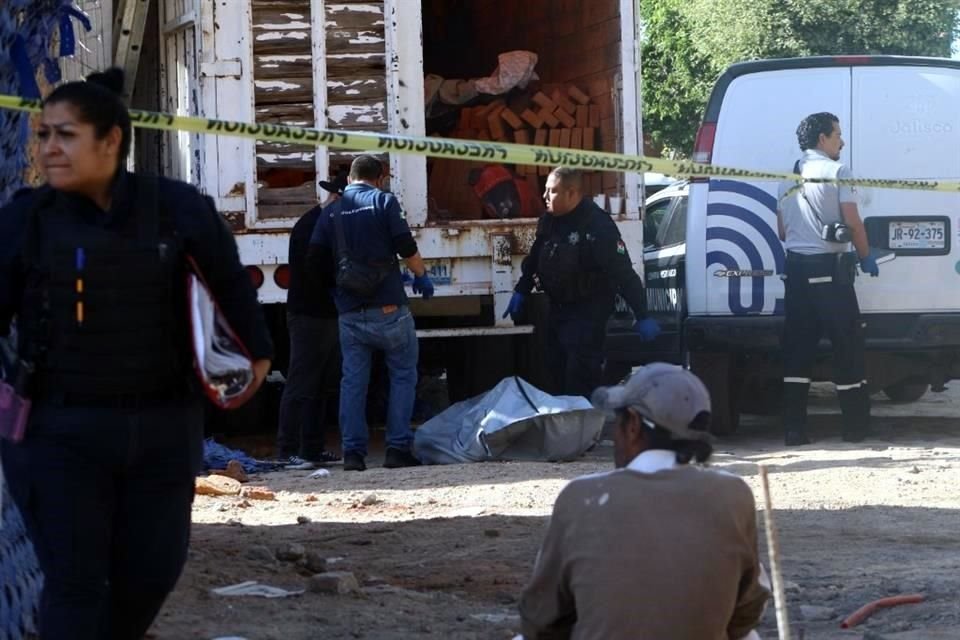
[621, 248]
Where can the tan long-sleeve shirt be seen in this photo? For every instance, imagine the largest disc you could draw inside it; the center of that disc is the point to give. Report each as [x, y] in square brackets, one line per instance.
[641, 555]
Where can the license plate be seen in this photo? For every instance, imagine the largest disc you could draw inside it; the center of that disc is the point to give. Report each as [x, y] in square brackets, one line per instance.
[441, 271]
[917, 235]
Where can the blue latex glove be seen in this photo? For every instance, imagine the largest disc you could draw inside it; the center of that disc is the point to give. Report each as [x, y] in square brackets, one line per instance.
[648, 329]
[515, 306]
[869, 265]
[424, 285]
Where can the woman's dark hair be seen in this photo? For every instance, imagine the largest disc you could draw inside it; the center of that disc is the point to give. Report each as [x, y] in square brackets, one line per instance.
[98, 102]
[810, 128]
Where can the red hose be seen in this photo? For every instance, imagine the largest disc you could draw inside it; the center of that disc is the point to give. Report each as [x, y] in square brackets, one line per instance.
[867, 610]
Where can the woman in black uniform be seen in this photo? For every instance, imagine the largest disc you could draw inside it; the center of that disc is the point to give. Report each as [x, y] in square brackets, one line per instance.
[92, 266]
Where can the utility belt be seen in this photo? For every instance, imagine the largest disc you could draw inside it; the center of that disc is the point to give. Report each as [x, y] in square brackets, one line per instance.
[822, 268]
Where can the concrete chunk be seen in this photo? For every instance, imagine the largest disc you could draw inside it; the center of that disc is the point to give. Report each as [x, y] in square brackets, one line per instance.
[333, 582]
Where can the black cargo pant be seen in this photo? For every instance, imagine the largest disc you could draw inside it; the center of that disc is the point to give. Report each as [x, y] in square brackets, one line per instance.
[314, 351]
[576, 333]
[106, 494]
[820, 300]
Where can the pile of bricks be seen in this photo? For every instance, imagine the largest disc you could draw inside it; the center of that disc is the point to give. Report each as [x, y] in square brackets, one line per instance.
[566, 117]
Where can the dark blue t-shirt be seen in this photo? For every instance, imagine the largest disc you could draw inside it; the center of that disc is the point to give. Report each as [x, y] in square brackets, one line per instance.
[372, 221]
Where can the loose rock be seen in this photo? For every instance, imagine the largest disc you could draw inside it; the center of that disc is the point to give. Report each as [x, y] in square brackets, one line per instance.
[234, 470]
[260, 553]
[290, 552]
[216, 486]
[370, 500]
[303, 520]
[257, 493]
[316, 562]
[333, 582]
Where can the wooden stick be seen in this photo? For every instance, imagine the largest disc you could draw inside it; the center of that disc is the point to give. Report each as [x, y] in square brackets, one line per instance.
[779, 596]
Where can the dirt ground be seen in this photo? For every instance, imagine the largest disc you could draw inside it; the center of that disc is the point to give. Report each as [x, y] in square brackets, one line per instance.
[443, 552]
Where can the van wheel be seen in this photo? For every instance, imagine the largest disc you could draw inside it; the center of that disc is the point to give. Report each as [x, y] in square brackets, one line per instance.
[909, 390]
[717, 372]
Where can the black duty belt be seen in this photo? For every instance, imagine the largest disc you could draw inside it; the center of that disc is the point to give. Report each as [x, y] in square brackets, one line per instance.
[814, 258]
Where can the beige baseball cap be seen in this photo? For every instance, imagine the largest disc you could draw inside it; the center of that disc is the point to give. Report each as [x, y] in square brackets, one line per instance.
[665, 394]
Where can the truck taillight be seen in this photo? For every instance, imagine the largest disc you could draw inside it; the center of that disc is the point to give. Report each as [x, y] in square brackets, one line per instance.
[281, 276]
[703, 146]
[256, 276]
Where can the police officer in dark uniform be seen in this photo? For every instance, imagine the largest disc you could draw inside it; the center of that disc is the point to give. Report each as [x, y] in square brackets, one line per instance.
[818, 222]
[581, 263]
[92, 266]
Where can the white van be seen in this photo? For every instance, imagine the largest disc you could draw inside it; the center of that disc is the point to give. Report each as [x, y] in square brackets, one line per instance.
[713, 260]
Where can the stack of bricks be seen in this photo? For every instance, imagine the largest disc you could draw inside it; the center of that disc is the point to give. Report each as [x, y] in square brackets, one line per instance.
[560, 115]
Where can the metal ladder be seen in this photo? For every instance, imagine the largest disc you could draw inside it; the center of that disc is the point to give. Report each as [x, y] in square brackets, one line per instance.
[131, 21]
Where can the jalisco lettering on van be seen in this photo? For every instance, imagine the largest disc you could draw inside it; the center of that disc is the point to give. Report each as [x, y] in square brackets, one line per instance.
[463, 149]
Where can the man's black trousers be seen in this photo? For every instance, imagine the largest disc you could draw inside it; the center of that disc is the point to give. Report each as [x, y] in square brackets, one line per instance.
[314, 357]
[575, 338]
[106, 494]
[821, 301]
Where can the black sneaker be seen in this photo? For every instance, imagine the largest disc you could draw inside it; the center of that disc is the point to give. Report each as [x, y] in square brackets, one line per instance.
[796, 439]
[353, 462]
[397, 458]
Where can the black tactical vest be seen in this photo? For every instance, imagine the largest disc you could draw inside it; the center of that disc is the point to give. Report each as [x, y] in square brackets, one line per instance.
[106, 305]
[561, 268]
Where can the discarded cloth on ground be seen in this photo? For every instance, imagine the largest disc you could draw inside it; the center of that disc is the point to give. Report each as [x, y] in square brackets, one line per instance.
[512, 421]
[216, 456]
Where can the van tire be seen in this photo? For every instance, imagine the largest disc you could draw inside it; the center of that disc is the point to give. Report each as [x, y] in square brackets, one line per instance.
[906, 391]
[717, 371]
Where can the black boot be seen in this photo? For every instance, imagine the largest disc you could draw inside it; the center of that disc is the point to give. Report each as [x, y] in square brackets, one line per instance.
[855, 405]
[795, 413]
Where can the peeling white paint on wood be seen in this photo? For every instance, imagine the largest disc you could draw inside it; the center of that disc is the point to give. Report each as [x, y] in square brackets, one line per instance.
[283, 35]
[373, 113]
[354, 8]
[279, 85]
[284, 158]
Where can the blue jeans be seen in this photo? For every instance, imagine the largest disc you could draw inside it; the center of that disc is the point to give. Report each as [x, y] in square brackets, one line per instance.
[362, 332]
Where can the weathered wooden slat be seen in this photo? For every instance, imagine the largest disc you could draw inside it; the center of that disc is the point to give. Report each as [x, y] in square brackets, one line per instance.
[282, 67]
[353, 115]
[368, 15]
[306, 192]
[283, 91]
[346, 65]
[293, 41]
[281, 18]
[302, 160]
[356, 90]
[298, 115]
[355, 41]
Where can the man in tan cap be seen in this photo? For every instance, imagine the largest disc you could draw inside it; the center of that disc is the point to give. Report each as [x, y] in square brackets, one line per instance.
[656, 549]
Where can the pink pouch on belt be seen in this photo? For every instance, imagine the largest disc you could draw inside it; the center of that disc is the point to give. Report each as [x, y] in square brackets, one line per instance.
[14, 411]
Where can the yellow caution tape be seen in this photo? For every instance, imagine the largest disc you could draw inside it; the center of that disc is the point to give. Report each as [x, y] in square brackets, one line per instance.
[471, 150]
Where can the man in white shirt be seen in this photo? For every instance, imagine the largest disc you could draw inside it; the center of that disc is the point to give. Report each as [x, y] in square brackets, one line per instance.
[818, 223]
[656, 549]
